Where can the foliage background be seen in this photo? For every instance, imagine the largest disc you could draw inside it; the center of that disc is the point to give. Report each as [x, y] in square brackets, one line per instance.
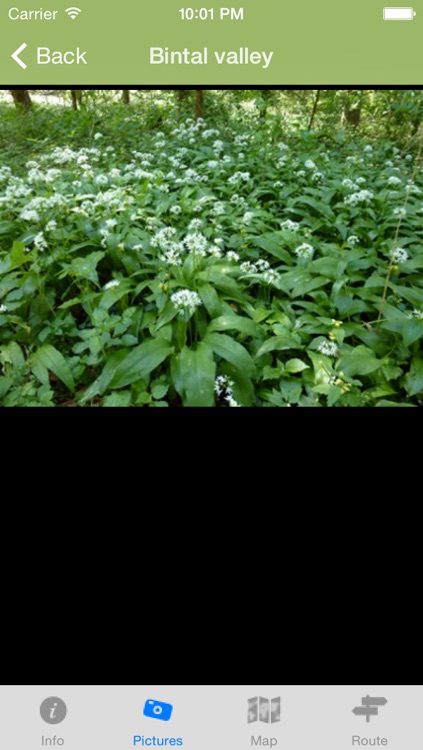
[290, 220]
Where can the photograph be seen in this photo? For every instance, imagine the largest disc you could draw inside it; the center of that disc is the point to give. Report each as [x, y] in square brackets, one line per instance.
[214, 247]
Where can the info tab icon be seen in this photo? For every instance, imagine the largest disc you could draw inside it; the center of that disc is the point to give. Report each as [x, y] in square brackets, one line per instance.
[263, 709]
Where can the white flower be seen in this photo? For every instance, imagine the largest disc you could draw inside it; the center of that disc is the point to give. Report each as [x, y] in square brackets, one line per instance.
[363, 196]
[223, 387]
[232, 256]
[347, 183]
[3, 308]
[172, 256]
[222, 384]
[194, 225]
[291, 226]
[196, 243]
[248, 267]
[239, 177]
[29, 215]
[399, 255]
[40, 241]
[305, 251]
[176, 210]
[353, 240]
[394, 181]
[110, 223]
[51, 226]
[271, 276]
[248, 217]
[112, 284]
[329, 348]
[415, 314]
[98, 136]
[215, 251]
[218, 209]
[101, 179]
[368, 149]
[262, 265]
[401, 213]
[413, 188]
[310, 164]
[185, 300]
[163, 238]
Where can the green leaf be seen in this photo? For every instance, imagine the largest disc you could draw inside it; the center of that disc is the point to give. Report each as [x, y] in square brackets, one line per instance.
[159, 391]
[5, 385]
[296, 365]
[243, 387]
[125, 367]
[47, 357]
[323, 367]
[278, 343]
[360, 361]
[196, 373]
[231, 350]
[273, 244]
[123, 398]
[291, 391]
[70, 303]
[234, 323]
[385, 402]
[18, 256]
[85, 268]
[412, 331]
[414, 378]
[330, 267]
[12, 354]
[318, 206]
[210, 300]
[7, 227]
[308, 286]
[168, 313]
[113, 295]
[225, 283]
[334, 395]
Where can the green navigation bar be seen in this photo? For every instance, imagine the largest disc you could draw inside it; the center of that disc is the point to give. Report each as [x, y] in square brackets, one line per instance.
[269, 42]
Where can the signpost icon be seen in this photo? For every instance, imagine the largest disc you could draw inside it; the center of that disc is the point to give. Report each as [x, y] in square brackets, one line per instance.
[369, 707]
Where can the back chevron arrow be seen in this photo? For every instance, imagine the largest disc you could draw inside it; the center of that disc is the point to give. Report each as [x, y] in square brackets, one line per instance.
[16, 53]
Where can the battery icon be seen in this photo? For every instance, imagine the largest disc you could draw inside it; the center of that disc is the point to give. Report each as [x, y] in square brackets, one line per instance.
[398, 14]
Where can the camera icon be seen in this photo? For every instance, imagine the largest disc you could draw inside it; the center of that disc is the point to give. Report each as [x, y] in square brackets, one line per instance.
[158, 710]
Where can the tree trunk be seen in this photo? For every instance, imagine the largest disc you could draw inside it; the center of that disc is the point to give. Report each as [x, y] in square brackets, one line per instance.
[315, 105]
[125, 96]
[199, 103]
[352, 116]
[21, 98]
[352, 111]
[76, 95]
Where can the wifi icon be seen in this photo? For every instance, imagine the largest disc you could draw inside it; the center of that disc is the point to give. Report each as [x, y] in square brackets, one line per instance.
[73, 12]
